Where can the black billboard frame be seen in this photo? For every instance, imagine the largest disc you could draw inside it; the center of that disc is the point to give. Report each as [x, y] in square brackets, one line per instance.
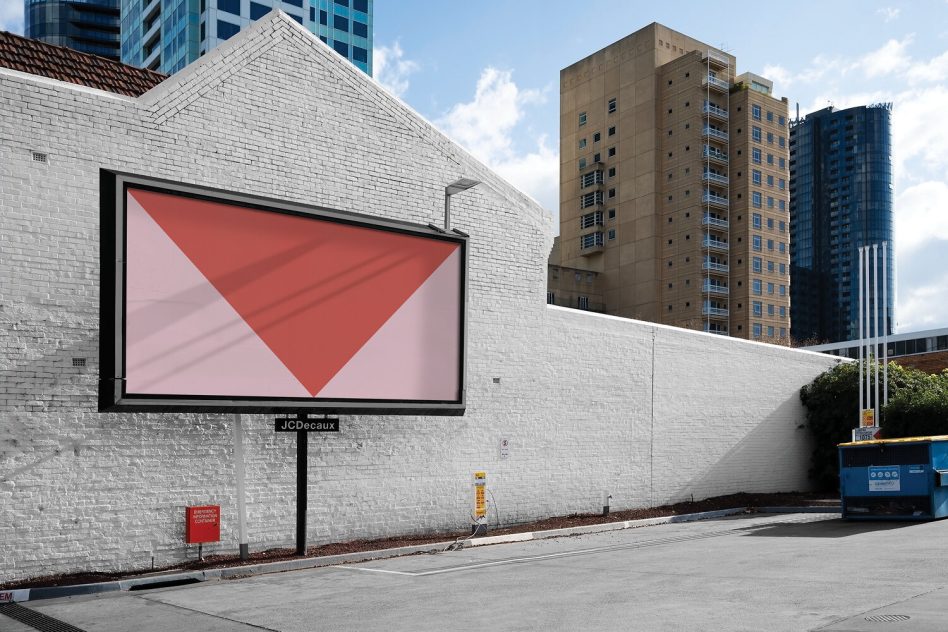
[112, 250]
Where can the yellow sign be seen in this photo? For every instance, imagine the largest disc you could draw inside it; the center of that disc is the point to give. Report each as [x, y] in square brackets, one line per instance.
[480, 497]
[868, 418]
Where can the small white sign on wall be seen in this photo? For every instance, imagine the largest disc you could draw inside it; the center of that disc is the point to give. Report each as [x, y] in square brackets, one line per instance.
[504, 448]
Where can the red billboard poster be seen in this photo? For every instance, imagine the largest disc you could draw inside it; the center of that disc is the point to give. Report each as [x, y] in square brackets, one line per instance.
[219, 302]
[202, 524]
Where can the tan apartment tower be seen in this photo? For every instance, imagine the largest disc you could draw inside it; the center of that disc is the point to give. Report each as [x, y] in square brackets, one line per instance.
[673, 186]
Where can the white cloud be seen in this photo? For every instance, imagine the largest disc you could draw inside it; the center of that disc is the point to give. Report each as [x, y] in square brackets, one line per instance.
[921, 216]
[934, 70]
[485, 127]
[889, 13]
[891, 58]
[11, 16]
[391, 69]
[923, 306]
[920, 134]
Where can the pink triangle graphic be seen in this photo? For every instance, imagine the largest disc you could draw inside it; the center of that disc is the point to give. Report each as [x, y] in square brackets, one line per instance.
[182, 337]
[414, 355]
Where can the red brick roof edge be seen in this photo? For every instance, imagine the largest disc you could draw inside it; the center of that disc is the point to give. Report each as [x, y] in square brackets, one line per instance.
[58, 62]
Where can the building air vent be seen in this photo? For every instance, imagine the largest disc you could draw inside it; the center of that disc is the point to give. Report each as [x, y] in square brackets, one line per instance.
[39, 156]
[78, 361]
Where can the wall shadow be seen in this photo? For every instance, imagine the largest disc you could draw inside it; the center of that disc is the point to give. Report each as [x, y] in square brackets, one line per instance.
[834, 528]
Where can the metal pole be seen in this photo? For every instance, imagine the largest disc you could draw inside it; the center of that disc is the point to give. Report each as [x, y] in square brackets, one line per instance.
[301, 488]
[862, 343]
[885, 324]
[875, 318]
[447, 212]
[868, 325]
[241, 495]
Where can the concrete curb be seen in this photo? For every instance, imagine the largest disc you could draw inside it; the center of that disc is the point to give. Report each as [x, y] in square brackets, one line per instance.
[183, 577]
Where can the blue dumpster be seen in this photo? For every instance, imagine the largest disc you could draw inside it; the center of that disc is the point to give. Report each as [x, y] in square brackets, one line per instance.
[894, 479]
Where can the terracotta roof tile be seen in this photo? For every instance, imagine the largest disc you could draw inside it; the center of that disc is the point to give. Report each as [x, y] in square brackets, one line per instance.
[65, 64]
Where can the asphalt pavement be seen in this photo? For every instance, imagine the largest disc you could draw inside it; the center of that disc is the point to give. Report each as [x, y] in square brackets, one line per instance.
[756, 572]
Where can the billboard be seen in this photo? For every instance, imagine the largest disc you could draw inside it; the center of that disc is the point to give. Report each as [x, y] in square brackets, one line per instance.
[219, 302]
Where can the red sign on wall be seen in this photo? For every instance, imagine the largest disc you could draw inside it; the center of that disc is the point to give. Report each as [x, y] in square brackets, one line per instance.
[202, 524]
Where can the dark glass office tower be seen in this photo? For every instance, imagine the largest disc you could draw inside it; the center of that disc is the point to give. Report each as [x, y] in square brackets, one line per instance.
[840, 199]
[89, 26]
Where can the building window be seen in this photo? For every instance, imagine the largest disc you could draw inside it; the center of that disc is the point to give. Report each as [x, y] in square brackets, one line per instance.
[770, 202]
[361, 5]
[612, 193]
[341, 47]
[323, 18]
[597, 137]
[758, 308]
[583, 302]
[612, 234]
[781, 120]
[782, 163]
[770, 117]
[755, 285]
[612, 213]
[770, 159]
[226, 30]
[597, 157]
[770, 290]
[756, 199]
[755, 221]
[781, 142]
[782, 247]
[755, 112]
[755, 240]
[770, 266]
[770, 331]
[782, 205]
[783, 332]
[360, 29]
[781, 184]
[611, 152]
[757, 330]
[770, 180]
[582, 143]
[755, 156]
[755, 133]
[582, 163]
[258, 10]
[783, 289]
[360, 54]
[612, 172]
[770, 223]
[550, 298]
[757, 265]
[783, 269]
[229, 6]
[612, 131]
[755, 176]
[582, 119]
[612, 105]
[770, 245]
[783, 314]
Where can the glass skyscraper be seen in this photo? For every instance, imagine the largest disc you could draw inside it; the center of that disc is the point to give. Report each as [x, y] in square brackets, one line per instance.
[167, 35]
[840, 199]
[88, 26]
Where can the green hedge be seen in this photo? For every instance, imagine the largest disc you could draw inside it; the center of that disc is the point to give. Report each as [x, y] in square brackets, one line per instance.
[918, 406]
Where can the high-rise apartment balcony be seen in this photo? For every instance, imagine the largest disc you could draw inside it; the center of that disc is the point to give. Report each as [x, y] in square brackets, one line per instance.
[717, 222]
[715, 328]
[713, 153]
[710, 176]
[715, 59]
[714, 288]
[714, 244]
[714, 199]
[590, 244]
[715, 84]
[714, 312]
[714, 133]
[714, 111]
[714, 266]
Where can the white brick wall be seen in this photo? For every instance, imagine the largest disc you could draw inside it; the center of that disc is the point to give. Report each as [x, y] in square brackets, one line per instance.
[589, 403]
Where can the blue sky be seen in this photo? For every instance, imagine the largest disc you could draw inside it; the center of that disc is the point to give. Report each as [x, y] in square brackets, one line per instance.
[487, 74]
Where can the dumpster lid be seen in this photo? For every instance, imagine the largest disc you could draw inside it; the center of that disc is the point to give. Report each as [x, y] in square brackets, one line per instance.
[902, 440]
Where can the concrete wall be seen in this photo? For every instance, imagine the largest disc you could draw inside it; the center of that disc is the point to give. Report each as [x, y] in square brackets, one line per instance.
[589, 403]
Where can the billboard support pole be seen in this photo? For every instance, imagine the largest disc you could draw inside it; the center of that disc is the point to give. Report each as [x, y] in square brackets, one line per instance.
[302, 443]
[241, 491]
